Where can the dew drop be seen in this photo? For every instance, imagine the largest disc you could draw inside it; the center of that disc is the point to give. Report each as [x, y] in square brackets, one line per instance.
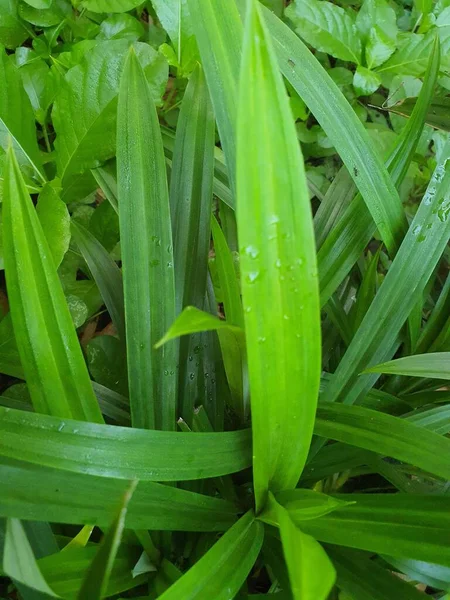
[417, 229]
[261, 340]
[154, 263]
[252, 276]
[61, 426]
[248, 309]
[251, 252]
[191, 376]
[286, 317]
[278, 263]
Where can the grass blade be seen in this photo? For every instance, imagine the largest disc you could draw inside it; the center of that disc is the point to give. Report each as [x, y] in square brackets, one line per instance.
[117, 451]
[105, 272]
[147, 256]
[97, 577]
[50, 353]
[278, 262]
[435, 365]
[220, 573]
[342, 126]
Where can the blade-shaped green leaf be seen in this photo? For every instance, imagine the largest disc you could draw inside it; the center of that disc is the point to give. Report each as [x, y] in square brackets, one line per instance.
[106, 274]
[117, 451]
[344, 129]
[220, 573]
[50, 353]
[35, 492]
[19, 562]
[55, 220]
[147, 253]
[17, 118]
[278, 264]
[404, 525]
[386, 435]
[97, 577]
[218, 29]
[107, 181]
[364, 579]
[437, 115]
[311, 573]
[435, 365]
[415, 262]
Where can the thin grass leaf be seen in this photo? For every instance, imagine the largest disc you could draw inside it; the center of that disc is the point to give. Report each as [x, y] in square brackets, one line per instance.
[218, 30]
[386, 435]
[117, 451]
[311, 573]
[220, 573]
[435, 365]
[35, 492]
[106, 274]
[107, 182]
[147, 255]
[278, 264]
[49, 350]
[19, 561]
[404, 525]
[436, 321]
[437, 115]
[416, 260]
[97, 577]
[345, 130]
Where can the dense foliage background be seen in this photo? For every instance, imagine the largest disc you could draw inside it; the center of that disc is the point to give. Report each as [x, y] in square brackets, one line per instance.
[83, 147]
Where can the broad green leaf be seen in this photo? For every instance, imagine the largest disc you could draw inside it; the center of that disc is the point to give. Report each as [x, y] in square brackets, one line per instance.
[55, 221]
[12, 30]
[415, 262]
[110, 6]
[386, 435]
[364, 579]
[435, 365]
[311, 573]
[19, 562]
[116, 451]
[48, 346]
[380, 46]
[377, 23]
[308, 504]
[97, 577]
[39, 83]
[191, 190]
[35, 492]
[39, 3]
[218, 29]
[121, 26]
[220, 573]
[45, 17]
[327, 28]
[278, 264]
[345, 131]
[403, 525]
[192, 320]
[411, 58]
[147, 253]
[84, 113]
[106, 274]
[437, 116]
[17, 118]
[365, 82]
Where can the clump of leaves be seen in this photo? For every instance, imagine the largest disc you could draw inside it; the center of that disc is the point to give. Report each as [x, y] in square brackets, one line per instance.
[225, 355]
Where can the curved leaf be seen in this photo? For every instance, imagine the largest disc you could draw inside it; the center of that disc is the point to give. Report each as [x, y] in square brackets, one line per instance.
[435, 365]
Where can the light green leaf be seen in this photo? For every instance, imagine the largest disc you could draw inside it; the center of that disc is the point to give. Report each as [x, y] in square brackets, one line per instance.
[220, 573]
[193, 320]
[9, 355]
[218, 29]
[96, 580]
[77, 447]
[379, 47]
[404, 525]
[311, 572]
[107, 181]
[147, 252]
[85, 119]
[17, 118]
[110, 6]
[45, 17]
[55, 221]
[37, 80]
[19, 562]
[121, 26]
[365, 81]
[377, 23]
[435, 365]
[412, 55]
[12, 30]
[278, 263]
[48, 346]
[39, 3]
[106, 274]
[34, 492]
[327, 28]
